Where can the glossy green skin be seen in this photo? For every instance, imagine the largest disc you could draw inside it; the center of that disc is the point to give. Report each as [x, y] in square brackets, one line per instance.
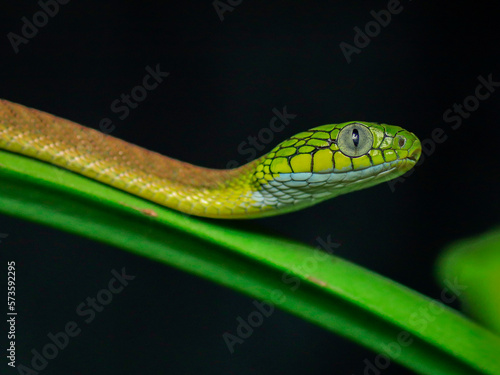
[301, 171]
[311, 167]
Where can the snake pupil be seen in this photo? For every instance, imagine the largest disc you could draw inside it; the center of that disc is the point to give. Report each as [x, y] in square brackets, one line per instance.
[355, 137]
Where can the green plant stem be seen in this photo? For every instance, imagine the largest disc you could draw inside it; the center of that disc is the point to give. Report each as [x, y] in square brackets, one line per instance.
[334, 294]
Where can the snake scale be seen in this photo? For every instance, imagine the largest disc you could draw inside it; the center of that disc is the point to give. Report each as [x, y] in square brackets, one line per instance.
[318, 164]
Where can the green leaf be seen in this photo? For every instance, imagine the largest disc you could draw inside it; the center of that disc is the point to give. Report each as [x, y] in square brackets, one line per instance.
[476, 261]
[321, 288]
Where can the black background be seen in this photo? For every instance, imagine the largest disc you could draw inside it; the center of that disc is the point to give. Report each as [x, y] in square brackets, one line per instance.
[225, 79]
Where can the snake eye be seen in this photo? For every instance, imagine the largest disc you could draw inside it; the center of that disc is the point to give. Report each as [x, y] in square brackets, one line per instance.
[355, 140]
[355, 137]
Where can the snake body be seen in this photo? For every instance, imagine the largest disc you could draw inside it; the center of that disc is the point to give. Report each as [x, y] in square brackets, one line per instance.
[312, 166]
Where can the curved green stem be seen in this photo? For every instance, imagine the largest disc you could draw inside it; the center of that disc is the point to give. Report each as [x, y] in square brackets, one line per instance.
[330, 292]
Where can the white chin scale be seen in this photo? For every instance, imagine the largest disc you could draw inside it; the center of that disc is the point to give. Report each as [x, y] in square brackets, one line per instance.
[309, 188]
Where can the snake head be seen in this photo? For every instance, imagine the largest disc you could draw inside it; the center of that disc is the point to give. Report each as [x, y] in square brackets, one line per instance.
[331, 160]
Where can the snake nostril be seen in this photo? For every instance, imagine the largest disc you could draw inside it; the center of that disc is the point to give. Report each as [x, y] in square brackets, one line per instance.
[401, 142]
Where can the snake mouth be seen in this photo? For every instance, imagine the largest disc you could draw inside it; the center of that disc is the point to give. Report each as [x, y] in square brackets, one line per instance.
[415, 151]
[413, 158]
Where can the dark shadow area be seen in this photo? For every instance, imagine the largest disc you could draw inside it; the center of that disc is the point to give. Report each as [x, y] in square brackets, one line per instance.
[431, 68]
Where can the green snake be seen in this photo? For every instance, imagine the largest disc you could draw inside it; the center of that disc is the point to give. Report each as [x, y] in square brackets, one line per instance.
[318, 164]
